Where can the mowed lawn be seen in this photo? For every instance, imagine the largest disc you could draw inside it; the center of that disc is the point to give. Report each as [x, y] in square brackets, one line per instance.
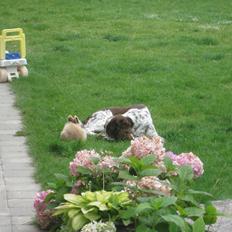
[173, 56]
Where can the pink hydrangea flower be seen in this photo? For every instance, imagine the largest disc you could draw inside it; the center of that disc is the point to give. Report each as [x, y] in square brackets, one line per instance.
[143, 146]
[108, 162]
[151, 183]
[187, 159]
[84, 159]
[43, 215]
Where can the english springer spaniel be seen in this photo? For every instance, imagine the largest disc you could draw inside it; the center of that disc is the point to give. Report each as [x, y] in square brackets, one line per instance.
[121, 123]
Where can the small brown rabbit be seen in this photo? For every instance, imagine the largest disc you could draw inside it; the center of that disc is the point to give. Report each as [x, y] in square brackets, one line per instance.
[73, 130]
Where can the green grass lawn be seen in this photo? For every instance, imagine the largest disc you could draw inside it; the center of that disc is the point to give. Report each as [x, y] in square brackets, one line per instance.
[172, 55]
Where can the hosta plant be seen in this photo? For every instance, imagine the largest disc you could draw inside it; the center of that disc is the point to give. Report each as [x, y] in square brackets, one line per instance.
[79, 210]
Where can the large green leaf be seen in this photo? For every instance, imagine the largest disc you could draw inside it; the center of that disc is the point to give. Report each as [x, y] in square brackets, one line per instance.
[89, 196]
[148, 159]
[126, 175]
[150, 172]
[189, 198]
[185, 173]
[210, 216]
[64, 208]
[199, 225]
[194, 212]
[135, 163]
[76, 199]
[128, 213]
[84, 171]
[169, 164]
[122, 196]
[200, 193]
[92, 215]
[143, 207]
[176, 220]
[143, 228]
[78, 222]
[163, 202]
[73, 212]
[173, 228]
[103, 196]
[99, 205]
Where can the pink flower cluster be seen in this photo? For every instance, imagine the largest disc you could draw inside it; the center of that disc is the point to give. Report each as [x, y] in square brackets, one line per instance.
[187, 159]
[143, 146]
[151, 183]
[43, 215]
[108, 162]
[83, 159]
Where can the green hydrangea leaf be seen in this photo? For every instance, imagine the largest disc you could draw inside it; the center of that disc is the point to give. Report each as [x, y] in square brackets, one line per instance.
[78, 222]
[199, 225]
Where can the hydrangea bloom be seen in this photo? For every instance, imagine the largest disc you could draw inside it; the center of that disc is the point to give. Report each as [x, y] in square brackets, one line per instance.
[43, 215]
[187, 159]
[151, 183]
[99, 227]
[84, 159]
[108, 162]
[143, 146]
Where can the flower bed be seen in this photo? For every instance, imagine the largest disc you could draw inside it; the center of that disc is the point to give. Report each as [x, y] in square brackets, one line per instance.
[145, 189]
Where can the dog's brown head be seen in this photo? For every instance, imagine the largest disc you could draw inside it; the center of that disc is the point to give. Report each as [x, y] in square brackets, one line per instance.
[119, 128]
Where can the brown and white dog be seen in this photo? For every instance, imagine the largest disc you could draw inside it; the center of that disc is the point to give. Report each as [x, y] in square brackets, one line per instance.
[121, 123]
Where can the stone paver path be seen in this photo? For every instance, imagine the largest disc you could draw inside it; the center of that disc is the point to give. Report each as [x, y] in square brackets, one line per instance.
[224, 224]
[17, 186]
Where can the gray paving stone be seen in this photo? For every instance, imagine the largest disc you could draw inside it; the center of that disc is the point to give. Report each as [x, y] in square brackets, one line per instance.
[21, 220]
[9, 138]
[20, 194]
[1, 174]
[5, 126]
[9, 110]
[12, 142]
[3, 198]
[6, 228]
[21, 160]
[19, 173]
[7, 132]
[25, 211]
[5, 220]
[16, 166]
[18, 203]
[25, 228]
[18, 180]
[23, 187]
[19, 148]
[14, 156]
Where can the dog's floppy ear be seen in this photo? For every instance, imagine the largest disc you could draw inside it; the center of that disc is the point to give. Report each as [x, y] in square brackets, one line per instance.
[112, 128]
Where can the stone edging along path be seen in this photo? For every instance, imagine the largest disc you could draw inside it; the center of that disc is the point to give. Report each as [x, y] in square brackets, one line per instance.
[17, 186]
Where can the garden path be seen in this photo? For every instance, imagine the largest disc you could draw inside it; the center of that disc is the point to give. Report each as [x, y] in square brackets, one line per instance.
[17, 186]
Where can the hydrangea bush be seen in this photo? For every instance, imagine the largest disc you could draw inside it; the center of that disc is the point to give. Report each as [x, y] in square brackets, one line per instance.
[144, 189]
